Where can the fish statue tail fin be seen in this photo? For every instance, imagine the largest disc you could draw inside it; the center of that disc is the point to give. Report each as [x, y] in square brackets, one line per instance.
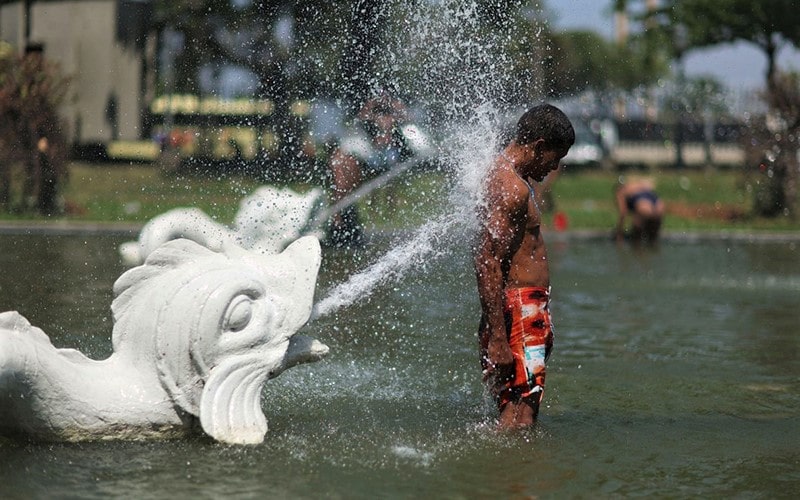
[19, 341]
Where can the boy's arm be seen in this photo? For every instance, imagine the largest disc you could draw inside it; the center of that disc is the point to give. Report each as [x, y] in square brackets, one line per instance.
[495, 249]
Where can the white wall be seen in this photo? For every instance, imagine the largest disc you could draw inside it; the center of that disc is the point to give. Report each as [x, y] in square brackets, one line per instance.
[80, 36]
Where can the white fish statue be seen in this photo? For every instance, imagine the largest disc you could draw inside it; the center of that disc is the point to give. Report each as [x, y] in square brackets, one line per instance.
[196, 334]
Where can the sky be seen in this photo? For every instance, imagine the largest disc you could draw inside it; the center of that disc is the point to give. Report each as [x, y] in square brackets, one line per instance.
[738, 66]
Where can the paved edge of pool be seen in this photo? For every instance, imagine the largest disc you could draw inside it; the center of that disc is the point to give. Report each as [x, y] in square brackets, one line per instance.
[687, 236]
[132, 229]
[70, 228]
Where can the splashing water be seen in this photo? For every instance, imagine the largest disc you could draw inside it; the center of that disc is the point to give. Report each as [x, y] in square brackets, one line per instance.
[391, 266]
[433, 238]
[463, 76]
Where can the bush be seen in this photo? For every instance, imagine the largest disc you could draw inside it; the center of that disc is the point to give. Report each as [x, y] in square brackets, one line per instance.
[32, 140]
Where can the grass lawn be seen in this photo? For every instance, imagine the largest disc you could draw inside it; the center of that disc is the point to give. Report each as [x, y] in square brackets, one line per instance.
[696, 200]
[138, 193]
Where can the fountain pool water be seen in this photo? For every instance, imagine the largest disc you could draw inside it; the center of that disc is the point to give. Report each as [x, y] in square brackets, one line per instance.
[675, 373]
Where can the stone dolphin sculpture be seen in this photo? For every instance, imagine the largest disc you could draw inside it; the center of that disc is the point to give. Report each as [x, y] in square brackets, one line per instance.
[268, 219]
[196, 335]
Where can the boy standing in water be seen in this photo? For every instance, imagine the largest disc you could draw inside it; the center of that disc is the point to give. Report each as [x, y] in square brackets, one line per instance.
[511, 266]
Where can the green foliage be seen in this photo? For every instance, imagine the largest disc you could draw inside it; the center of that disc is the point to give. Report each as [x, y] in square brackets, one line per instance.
[220, 32]
[583, 60]
[768, 24]
[31, 133]
[710, 22]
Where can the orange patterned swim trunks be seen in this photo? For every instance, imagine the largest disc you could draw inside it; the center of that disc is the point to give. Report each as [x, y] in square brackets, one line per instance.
[530, 336]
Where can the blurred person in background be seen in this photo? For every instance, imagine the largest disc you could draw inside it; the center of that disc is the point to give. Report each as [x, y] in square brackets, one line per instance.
[637, 198]
[380, 139]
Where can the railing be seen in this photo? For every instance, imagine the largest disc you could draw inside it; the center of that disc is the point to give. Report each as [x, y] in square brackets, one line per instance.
[661, 154]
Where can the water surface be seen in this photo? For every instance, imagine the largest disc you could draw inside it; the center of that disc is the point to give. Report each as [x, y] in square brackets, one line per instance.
[676, 372]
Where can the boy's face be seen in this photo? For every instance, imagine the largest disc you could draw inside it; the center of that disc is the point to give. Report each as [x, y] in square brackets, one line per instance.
[545, 159]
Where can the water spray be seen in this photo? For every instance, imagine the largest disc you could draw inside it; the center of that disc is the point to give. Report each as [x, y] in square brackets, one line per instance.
[461, 76]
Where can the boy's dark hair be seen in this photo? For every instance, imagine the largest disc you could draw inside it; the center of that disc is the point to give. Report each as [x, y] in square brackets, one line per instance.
[547, 122]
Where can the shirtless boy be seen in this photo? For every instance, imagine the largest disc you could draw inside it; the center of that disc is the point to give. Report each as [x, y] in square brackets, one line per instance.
[515, 333]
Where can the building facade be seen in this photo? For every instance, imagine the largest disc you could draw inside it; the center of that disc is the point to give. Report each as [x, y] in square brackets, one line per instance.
[98, 51]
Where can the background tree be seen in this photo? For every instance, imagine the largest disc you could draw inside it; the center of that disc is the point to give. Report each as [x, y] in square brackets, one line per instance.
[366, 26]
[769, 25]
[340, 49]
[450, 56]
[612, 71]
[31, 132]
[293, 50]
[583, 60]
[579, 61]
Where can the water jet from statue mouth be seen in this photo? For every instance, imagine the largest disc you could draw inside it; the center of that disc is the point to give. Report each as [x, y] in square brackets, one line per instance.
[304, 349]
[364, 190]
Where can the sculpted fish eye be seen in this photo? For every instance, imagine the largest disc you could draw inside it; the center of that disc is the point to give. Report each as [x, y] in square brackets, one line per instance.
[239, 313]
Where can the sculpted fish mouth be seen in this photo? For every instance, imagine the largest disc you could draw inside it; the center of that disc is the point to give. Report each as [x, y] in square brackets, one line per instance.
[303, 349]
[230, 409]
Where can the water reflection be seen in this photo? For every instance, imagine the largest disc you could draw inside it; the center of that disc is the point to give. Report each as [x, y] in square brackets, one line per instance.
[674, 371]
[63, 284]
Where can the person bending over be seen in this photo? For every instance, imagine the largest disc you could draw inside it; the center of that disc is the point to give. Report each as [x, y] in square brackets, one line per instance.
[637, 198]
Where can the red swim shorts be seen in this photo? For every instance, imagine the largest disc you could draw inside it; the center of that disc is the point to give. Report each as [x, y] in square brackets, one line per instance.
[530, 336]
